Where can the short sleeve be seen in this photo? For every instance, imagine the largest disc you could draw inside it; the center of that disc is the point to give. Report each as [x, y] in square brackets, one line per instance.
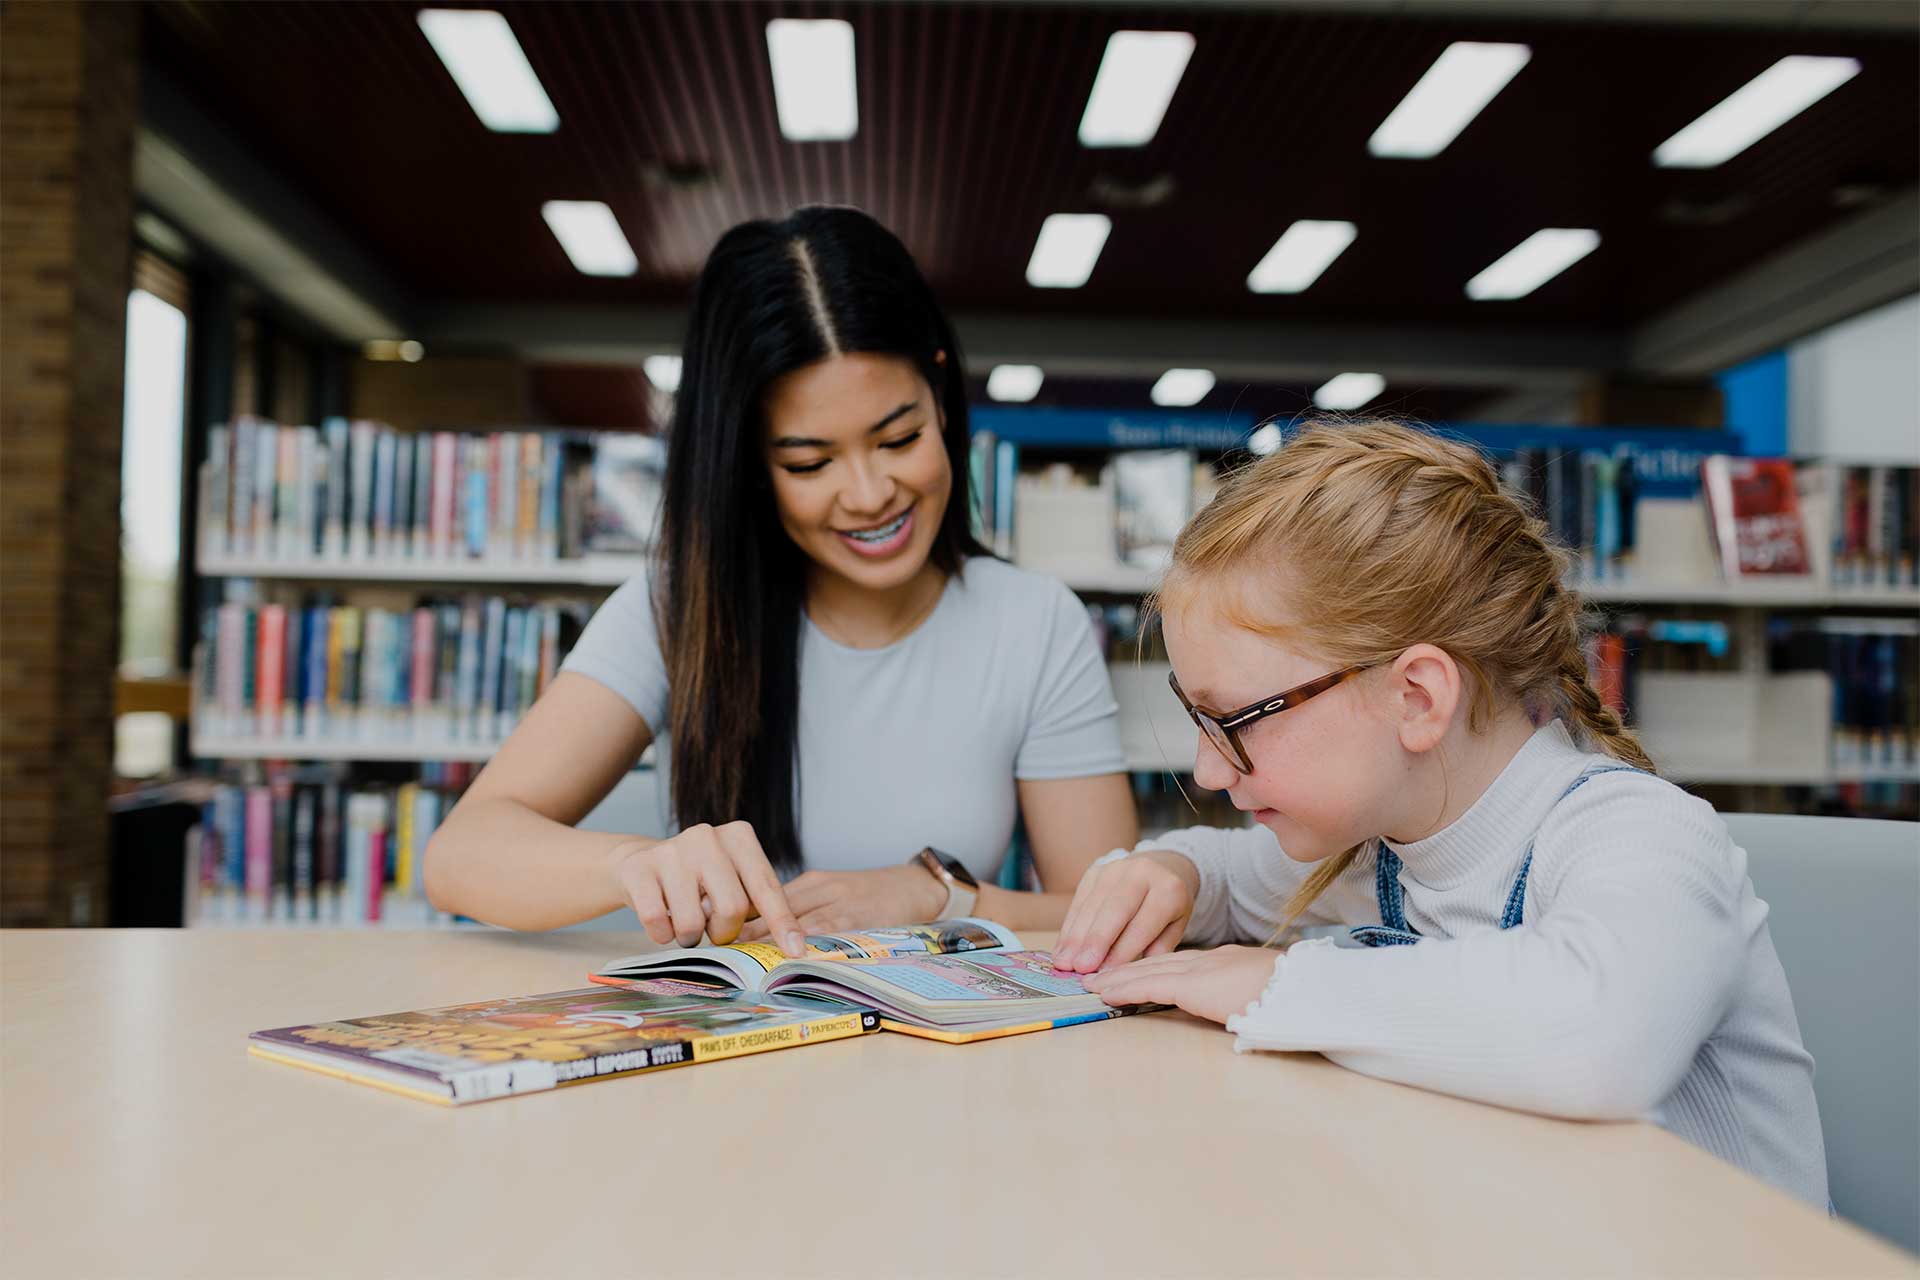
[1073, 729]
[620, 648]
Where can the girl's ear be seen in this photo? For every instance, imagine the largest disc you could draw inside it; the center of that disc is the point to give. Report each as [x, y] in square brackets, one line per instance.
[1427, 688]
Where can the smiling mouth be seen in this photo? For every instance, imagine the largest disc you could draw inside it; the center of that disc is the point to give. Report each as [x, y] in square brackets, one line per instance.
[879, 533]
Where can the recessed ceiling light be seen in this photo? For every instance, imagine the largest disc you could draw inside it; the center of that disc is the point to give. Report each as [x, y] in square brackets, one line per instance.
[1137, 77]
[586, 229]
[491, 69]
[1349, 391]
[813, 85]
[1754, 110]
[1531, 263]
[1459, 84]
[1302, 252]
[1014, 383]
[1068, 246]
[663, 372]
[1179, 388]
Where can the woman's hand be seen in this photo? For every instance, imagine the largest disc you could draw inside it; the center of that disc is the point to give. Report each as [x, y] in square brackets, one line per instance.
[1126, 909]
[707, 880]
[830, 901]
[1210, 984]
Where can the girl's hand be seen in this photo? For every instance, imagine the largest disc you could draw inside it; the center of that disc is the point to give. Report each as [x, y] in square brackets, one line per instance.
[1126, 909]
[829, 901]
[1210, 984]
[706, 880]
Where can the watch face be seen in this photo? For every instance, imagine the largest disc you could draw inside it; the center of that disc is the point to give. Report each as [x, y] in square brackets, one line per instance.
[957, 869]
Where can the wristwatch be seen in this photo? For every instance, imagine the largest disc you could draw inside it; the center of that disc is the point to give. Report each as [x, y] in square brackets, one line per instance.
[962, 889]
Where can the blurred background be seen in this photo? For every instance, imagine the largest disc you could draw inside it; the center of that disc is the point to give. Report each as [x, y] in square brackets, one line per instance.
[338, 341]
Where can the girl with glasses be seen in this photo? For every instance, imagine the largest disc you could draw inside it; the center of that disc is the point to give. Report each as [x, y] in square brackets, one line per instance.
[844, 675]
[1386, 670]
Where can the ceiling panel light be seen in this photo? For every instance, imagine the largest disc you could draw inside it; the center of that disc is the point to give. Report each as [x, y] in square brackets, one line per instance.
[1461, 81]
[492, 71]
[813, 85]
[1265, 439]
[1137, 77]
[663, 372]
[1014, 383]
[587, 231]
[1068, 246]
[1531, 263]
[1754, 110]
[1179, 388]
[1302, 252]
[1349, 391]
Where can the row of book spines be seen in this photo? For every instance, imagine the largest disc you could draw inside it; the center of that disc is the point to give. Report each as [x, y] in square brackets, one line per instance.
[1876, 529]
[1587, 498]
[284, 851]
[467, 670]
[1876, 687]
[363, 490]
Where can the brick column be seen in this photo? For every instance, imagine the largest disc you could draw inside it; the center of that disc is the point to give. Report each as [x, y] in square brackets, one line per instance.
[68, 105]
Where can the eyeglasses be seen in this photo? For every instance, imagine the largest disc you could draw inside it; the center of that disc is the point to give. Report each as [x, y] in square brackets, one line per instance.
[1223, 729]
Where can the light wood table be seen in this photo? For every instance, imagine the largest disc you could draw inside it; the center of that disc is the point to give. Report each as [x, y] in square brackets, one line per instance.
[138, 1138]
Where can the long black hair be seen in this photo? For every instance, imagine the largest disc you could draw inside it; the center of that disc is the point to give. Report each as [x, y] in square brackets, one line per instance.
[731, 587]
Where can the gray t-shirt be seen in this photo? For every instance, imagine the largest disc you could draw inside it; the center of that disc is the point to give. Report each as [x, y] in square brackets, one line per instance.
[919, 743]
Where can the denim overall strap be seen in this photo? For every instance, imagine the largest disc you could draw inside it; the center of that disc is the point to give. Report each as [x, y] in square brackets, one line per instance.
[1393, 929]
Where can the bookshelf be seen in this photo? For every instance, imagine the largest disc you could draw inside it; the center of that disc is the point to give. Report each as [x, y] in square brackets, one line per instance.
[584, 571]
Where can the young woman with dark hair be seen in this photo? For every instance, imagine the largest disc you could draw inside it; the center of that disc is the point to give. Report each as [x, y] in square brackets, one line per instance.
[845, 676]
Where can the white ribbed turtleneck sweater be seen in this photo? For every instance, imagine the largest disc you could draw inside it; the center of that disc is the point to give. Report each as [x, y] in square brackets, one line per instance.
[1642, 982]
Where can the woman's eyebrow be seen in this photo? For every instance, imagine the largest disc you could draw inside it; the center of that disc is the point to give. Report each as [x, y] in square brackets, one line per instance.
[808, 442]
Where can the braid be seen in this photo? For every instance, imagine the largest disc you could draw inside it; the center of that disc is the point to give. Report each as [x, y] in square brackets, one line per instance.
[1598, 721]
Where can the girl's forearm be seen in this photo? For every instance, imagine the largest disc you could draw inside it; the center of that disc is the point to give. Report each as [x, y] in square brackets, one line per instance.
[498, 861]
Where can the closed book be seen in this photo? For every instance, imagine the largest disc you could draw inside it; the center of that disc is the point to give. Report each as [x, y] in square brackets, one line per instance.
[487, 694]
[421, 668]
[475, 514]
[1754, 510]
[506, 514]
[305, 807]
[266, 471]
[327, 855]
[532, 482]
[273, 638]
[287, 505]
[529, 1044]
[383, 486]
[351, 636]
[282, 901]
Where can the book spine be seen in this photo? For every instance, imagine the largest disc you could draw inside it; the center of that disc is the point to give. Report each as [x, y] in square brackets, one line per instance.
[403, 850]
[376, 870]
[259, 873]
[246, 433]
[400, 537]
[286, 532]
[351, 634]
[424, 467]
[421, 670]
[303, 834]
[532, 482]
[216, 492]
[487, 703]
[467, 689]
[506, 527]
[383, 449]
[273, 635]
[492, 446]
[550, 496]
[281, 790]
[326, 870]
[266, 465]
[445, 494]
[360, 490]
[333, 541]
[476, 498]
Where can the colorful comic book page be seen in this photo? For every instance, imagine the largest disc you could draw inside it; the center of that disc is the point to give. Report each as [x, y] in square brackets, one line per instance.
[747, 962]
[993, 976]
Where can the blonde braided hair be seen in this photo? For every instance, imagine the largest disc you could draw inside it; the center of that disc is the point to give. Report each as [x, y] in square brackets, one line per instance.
[1380, 536]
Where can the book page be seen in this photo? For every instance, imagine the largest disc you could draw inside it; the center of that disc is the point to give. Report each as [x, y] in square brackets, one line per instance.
[986, 977]
[746, 964]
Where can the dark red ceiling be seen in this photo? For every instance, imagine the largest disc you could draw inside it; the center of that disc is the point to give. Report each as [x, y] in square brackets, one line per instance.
[967, 141]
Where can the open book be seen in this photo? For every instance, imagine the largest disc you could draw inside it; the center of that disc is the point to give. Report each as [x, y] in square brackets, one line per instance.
[525, 1044]
[953, 980]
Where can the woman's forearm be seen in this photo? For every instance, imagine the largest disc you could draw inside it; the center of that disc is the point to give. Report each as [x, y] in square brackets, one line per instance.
[497, 860]
[1020, 910]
